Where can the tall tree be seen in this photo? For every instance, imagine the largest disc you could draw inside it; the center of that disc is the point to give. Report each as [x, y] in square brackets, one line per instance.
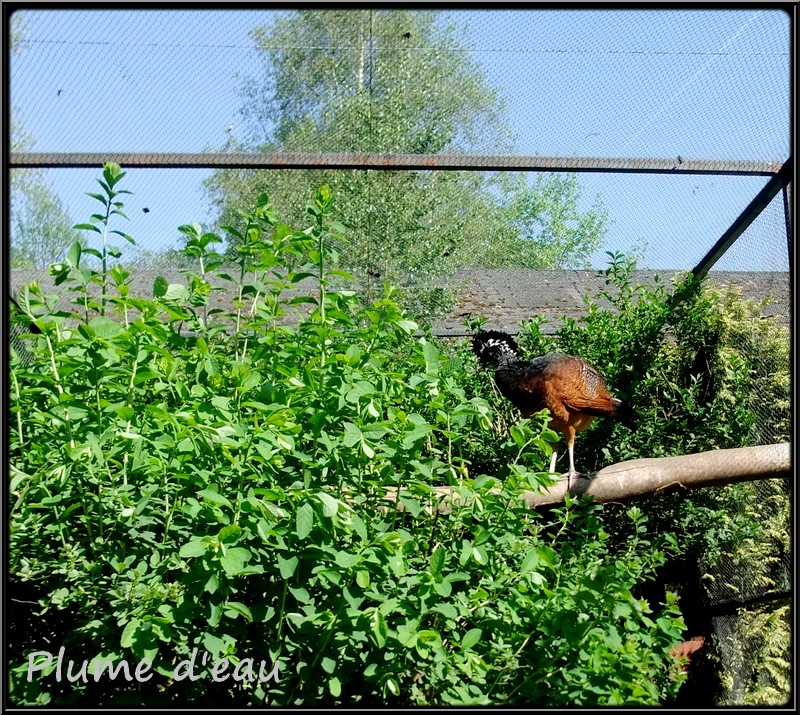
[398, 81]
[41, 228]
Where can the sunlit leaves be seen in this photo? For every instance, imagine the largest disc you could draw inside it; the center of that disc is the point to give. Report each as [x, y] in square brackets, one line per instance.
[254, 490]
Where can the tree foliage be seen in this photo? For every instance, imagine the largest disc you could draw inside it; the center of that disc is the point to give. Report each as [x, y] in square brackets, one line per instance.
[41, 229]
[400, 81]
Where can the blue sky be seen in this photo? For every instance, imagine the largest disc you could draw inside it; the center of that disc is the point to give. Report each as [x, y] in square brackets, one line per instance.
[634, 83]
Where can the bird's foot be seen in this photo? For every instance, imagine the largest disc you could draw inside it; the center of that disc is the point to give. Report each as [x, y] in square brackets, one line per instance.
[572, 475]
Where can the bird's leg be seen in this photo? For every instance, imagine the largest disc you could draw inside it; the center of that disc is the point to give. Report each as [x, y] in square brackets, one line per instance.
[553, 462]
[571, 471]
[570, 449]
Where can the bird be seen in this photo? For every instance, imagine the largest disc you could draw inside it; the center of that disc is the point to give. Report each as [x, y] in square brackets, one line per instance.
[573, 390]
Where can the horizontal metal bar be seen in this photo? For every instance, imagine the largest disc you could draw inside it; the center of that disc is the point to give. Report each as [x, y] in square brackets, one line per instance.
[752, 210]
[397, 162]
[729, 608]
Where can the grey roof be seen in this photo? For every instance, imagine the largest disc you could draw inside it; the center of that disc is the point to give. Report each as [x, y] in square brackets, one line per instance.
[504, 297]
[507, 297]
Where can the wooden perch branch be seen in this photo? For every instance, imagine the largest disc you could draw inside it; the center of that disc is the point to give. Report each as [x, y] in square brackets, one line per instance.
[646, 477]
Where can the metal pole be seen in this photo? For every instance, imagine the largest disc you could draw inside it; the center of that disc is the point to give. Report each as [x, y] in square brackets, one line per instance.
[395, 162]
[753, 209]
[787, 216]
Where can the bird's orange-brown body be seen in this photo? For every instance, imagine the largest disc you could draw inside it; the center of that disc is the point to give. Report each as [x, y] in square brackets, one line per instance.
[571, 389]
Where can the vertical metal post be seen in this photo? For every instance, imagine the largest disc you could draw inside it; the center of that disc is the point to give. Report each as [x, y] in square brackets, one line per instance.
[787, 216]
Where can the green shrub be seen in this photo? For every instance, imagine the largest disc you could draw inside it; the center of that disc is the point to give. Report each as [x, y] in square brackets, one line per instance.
[700, 373]
[706, 372]
[261, 494]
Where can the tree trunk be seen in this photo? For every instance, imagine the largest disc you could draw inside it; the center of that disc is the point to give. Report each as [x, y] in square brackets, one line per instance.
[646, 477]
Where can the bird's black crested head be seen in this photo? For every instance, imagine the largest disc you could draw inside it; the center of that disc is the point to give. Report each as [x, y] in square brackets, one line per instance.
[494, 345]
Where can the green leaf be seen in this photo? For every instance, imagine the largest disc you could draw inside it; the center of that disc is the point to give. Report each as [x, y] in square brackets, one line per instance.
[301, 595]
[346, 560]
[530, 562]
[214, 498]
[352, 434]
[436, 562]
[196, 547]
[86, 227]
[208, 238]
[192, 230]
[230, 533]
[431, 355]
[379, 628]
[176, 291]
[233, 560]
[341, 274]
[357, 523]
[212, 585]
[92, 252]
[470, 638]
[335, 686]
[112, 173]
[412, 505]
[328, 664]
[74, 253]
[407, 633]
[446, 609]
[105, 328]
[129, 633]
[235, 608]
[479, 554]
[443, 588]
[427, 639]
[214, 645]
[124, 235]
[160, 286]
[621, 610]
[304, 520]
[329, 505]
[287, 567]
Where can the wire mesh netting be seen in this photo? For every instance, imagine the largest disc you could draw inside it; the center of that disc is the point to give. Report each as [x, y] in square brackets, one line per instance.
[701, 96]
[699, 84]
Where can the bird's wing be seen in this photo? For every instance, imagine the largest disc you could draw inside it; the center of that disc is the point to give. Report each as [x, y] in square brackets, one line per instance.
[580, 387]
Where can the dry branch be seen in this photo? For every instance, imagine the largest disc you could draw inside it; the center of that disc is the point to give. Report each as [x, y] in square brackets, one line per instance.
[646, 477]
